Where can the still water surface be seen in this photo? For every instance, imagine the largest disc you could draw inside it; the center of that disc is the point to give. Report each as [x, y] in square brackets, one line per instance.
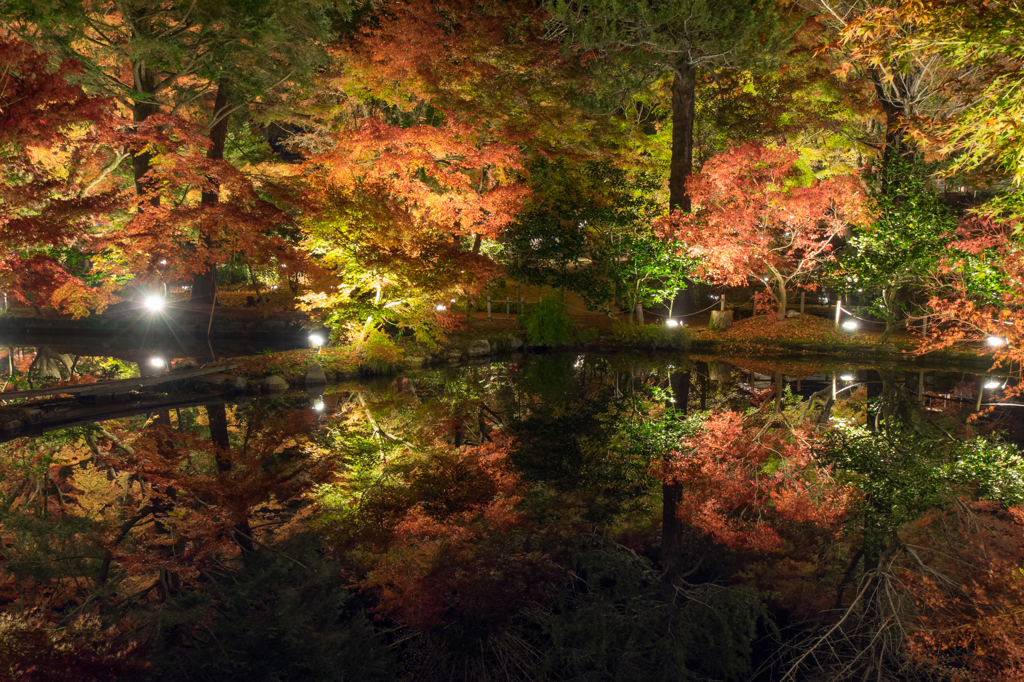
[564, 516]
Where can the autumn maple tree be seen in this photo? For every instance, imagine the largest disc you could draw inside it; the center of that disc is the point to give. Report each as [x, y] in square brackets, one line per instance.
[755, 219]
[55, 140]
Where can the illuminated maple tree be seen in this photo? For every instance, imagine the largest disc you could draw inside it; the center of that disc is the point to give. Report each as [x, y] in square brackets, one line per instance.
[755, 220]
[56, 161]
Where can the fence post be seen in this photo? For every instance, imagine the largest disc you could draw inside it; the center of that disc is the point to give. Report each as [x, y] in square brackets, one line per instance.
[839, 309]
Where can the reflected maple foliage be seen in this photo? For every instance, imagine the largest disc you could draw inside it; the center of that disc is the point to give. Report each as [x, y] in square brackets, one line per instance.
[744, 482]
[440, 535]
[200, 496]
[964, 577]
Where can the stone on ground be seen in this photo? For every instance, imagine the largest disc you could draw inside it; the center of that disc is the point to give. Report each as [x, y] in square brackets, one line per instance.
[720, 321]
[315, 375]
[274, 384]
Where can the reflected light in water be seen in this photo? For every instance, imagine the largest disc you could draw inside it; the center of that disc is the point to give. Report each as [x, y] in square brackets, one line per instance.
[995, 341]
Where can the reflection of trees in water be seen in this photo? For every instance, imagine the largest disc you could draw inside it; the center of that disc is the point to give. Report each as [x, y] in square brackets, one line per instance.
[505, 522]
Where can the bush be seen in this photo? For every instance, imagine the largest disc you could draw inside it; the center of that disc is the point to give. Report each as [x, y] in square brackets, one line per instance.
[547, 323]
[652, 336]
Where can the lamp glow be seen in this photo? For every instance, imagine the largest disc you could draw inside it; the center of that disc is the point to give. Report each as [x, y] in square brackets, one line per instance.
[849, 325]
[440, 307]
[847, 377]
[672, 323]
[157, 362]
[316, 339]
[154, 303]
[319, 406]
[992, 384]
[995, 341]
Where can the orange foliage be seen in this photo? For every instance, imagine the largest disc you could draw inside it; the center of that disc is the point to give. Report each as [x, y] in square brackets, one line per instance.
[970, 602]
[751, 222]
[55, 141]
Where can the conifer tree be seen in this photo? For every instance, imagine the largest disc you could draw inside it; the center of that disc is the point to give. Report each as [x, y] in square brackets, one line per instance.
[681, 37]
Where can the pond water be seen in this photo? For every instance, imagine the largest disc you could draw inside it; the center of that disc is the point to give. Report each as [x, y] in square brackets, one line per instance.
[562, 517]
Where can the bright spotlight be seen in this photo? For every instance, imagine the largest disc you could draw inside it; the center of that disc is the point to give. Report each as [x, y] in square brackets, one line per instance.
[672, 323]
[992, 384]
[847, 377]
[319, 406]
[154, 303]
[849, 325]
[163, 261]
[995, 341]
[440, 307]
[157, 362]
[316, 339]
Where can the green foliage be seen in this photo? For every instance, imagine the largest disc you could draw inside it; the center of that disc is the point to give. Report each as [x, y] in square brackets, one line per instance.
[613, 623]
[547, 323]
[652, 336]
[282, 616]
[903, 245]
[647, 37]
[901, 473]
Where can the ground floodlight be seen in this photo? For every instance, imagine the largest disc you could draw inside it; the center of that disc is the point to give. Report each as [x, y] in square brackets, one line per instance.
[316, 340]
[847, 377]
[849, 325]
[440, 307]
[672, 323]
[992, 384]
[157, 362]
[319, 406]
[995, 341]
[154, 303]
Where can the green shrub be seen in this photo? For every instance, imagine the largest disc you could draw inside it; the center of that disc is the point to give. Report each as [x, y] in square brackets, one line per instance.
[652, 336]
[547, 323]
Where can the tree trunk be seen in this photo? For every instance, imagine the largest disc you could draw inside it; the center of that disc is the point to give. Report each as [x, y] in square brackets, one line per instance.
[684, 87]
[672, 493]
[782, 301]
[779, 388]
[894, 101]
[141, 110]
[204, 285]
